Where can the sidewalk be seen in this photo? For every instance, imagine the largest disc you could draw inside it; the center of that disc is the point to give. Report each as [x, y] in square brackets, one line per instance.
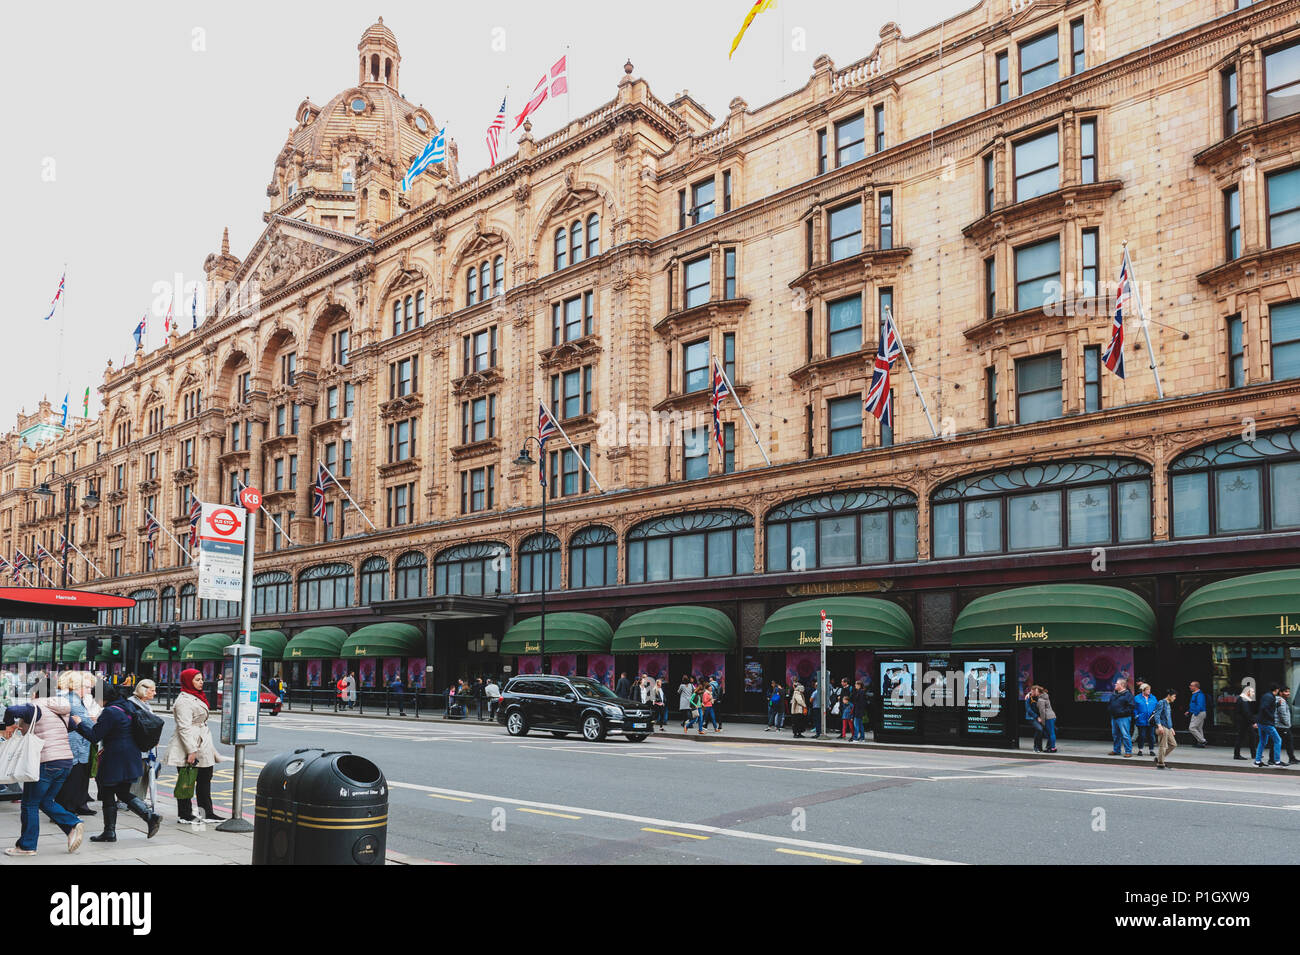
[1186, 756]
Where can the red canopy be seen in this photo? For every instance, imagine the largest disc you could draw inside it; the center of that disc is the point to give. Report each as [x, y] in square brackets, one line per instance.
[62, 606]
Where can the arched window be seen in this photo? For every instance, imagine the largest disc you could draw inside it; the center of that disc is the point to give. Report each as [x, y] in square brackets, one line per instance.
[561, 248]
[412, 574]
[484, 283]
[593, 558]
[532, 556]
[408, 313]
[419, 308]
[499, 275]
[325, 587]
[167, 605]
[271, 592]
[842, 529]
[1076, 503]
[575, 242]
[374, 580]
[593, 234]
[144, 611]
[187, 602]
[397, 316]
[1237, 487]
[695, 544]
[480, 569]
[471, 286]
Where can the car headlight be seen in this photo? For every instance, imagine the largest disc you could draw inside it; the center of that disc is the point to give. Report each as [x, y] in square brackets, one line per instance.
[614, 711]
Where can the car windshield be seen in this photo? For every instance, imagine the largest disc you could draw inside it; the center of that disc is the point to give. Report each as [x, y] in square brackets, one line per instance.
[592, 688]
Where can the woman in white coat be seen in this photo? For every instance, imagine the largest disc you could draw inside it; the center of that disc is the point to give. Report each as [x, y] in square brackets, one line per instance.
[191, 745]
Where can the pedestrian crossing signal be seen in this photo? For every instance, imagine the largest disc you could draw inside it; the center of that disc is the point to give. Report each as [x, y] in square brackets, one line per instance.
[92, 648]
[173, 640]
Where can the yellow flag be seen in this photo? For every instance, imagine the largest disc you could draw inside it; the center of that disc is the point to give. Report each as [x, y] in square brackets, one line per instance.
[754, 11]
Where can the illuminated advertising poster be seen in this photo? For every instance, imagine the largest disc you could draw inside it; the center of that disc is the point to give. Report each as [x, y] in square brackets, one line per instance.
[208, 668]
[864, 669]
[313, 673]
[985, 697]
[1097, 668]
[528, 665]
[600, 667]
[338, 670]
[753, 675]
[801, 667]
[899, 680]
[1025, 666]
[392, 668]
[711, 665]
[415, 673]
[564, 664]
[366, 673]
[655, 665]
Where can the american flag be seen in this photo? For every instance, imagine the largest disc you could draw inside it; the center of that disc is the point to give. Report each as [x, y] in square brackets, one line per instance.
[151, 536]
[547, 428]
[1113, 356]
[552, 84]
[324, 481]
[196, 511]
[58, 295]
[720, 391]
[879, 401]
[494, 132]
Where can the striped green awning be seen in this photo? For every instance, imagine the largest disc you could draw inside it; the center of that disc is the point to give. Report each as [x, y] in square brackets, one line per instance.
[43, 654]
[1259, 608]
[156, 652]
[1056, 615]
[207, 647]
[73, 651]
[270, 642]
[17, 653]
[565, 633]
[385, 640]
[859, 623]
[316, 643]
[675, 629]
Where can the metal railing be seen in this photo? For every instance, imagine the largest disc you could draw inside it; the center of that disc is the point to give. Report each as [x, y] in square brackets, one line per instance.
[418, 704]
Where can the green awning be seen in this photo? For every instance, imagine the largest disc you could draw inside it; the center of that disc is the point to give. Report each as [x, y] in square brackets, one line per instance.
[270, 642]
[43, 654]
[859, 623]
[73, 651]
[1257, 607]
[17, 653]
[675, 629]
[207, 647]
[1056, 615]
[156, 652]
[316, 643]
[385, 640]
[565, 633]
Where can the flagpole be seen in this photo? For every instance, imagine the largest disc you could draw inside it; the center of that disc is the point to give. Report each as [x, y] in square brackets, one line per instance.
[85, 558]
[278, 527]
[576, 452]
[1146, 330]
[348, 496]
[184, 550]
[889, 314]
[46, 576]
[731, 389]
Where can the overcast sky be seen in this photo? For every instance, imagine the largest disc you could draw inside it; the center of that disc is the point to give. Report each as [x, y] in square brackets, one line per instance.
[136, 132]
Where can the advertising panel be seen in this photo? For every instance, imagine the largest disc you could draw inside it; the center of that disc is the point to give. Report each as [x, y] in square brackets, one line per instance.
[899, 680]
[653, 664]
[1097, 668]
[600, 667]
[712, 665]
[564, 664]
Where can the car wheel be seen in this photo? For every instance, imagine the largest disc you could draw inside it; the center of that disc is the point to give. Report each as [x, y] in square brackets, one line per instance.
[516, 725]
[636, 738]
[558, 735]
[593, 728]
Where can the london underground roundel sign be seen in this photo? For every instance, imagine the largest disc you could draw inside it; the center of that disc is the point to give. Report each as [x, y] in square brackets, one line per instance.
[224, 522]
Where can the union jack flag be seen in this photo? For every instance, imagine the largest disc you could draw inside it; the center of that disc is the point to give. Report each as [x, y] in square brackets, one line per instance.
[1113, 356]
[324, 481]
[720, 391]
[21, 562]
[196, 511]
[879, 397]
[65, 546]
[43, 554]
[151, 535]
[494, 132]
[547, 428]
[59, 294]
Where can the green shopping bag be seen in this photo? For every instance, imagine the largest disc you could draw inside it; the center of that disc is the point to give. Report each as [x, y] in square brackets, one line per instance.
[186, 776]
[94, 761]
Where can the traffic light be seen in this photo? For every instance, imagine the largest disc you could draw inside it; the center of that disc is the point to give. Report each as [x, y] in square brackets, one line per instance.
[115, 646]
[173, 639]
[92, 648]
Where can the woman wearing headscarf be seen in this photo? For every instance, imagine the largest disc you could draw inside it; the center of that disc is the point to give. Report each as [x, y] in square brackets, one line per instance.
[76, 788]
[119, 764]
[191, 745]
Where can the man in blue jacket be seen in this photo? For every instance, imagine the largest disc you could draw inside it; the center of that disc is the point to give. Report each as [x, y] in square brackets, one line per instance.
[1144, 704]
[1266, 723]
[1120, 709]
[1196, 715]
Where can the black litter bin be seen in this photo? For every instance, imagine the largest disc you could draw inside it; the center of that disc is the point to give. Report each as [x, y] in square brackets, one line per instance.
[320, 808]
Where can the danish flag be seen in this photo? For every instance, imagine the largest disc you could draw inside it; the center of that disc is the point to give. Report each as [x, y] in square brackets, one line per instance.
[551, 85]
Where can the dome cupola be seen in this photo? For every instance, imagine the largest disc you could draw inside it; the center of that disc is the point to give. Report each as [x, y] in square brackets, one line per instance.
[379, 56]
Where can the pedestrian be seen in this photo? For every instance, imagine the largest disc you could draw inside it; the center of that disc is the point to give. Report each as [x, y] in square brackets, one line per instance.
[773, 708]
[340, 697]
[191, 746]
[145, 691]
[798, 710]
[76, 788]
[623, 689]
[846, 716]
[696, 708]
[858, 699]
[1162, 718]
[1283, 722]
[350, 690]
[685, 690]
[47, 720]
[1136, 684]
[1144, 704]
[660, 706]
[1196, 714]
[787, 691]
[814, 710]
[1048, 717]
[481, 697]
[1031, 714]
[1244, 716]
[1120, 708]
[715, 687]
[644, 692]
[119, 766]
[1266, 724]
[493, 694]
[710, 711]
[397, 690]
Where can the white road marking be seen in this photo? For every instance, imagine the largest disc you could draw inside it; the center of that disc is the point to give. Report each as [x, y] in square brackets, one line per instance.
[592, 751]
[1126, 789]
[1202, 802]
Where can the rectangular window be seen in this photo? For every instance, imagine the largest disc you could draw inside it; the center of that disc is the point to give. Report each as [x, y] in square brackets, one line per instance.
[1091, 378]
[1282, 82]
[571, 392]
[187, 453]
[1232, 222]
[845, 424]
[332, 402]
[279, 474]
[991, 396]
[697, 281]
[726, 190]
[481, 350]
[1038, 63]
[821, 152]
[844, 326]
[349, 399]
[1038, 388]
[728, 448]
[477, 489]
[850, 140]
[1076, 46]
[1088, 150]
[1004, 77]
[990, 287]
[403, 377]
[885, 302]
[886, 209]
[808, 335]
[571, 319]
[845, 225]
[879, 116]
[681, 212]
[288, 367]
[567, 474]
[702, 204]
[400, 500]
[293, 472]
[1284, 204]
[729, 356]
[887, 430]
[988, 183]
[401, 441]
[340, 347]
[695, 366]
[1038, 274]
[1229, 91]
[1236, 354]
[1284, 335]
[1088, 274]
[1037, 162]
[478, 419]
[280, 420]
[695, 454]
[729, 274]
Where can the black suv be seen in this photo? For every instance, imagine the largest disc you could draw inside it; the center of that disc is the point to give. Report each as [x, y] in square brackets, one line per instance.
[572, 704]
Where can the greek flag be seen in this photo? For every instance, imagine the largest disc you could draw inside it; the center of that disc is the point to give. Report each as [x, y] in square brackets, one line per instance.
[435, 152]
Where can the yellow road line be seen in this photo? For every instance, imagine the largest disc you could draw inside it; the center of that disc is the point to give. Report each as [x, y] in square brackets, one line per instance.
[820, 855]
[543, 812]
[673, 832]
[452, 798]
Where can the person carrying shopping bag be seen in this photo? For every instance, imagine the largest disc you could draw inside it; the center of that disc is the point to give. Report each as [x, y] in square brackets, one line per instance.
[191, 750]
[119, 764]
[46, 756]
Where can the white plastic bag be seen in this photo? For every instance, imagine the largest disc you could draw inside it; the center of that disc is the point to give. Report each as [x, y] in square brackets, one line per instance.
[20, 758]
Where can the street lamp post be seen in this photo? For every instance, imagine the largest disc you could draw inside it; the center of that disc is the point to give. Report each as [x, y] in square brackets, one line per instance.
[90, 500]
[525, 460]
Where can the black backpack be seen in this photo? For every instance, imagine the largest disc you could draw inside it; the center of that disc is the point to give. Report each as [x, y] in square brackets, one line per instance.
[146, 728]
